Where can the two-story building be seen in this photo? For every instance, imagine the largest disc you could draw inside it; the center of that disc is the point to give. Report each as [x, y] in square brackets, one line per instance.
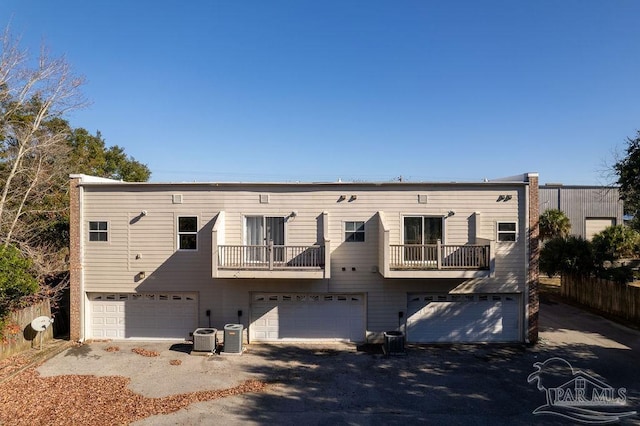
[443, 262]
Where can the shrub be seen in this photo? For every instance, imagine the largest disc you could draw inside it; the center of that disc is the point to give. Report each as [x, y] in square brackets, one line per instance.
[571, 255]
[614, 243]
[621, 274]
[16, 278]
[8, 330]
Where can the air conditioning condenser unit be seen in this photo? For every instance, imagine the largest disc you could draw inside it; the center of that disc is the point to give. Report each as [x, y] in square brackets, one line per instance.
[205, 340]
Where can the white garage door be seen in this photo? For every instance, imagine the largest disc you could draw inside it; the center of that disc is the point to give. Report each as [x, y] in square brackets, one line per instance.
[307, 316]
[463, 318]
[142, 315]
[594, 226]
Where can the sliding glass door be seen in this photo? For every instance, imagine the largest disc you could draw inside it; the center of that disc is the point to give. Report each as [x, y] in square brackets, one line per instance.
[420, 232]
[261, 232]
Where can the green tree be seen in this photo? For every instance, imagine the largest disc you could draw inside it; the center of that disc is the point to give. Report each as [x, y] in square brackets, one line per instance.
[89, 155]
[554, 223]
[572, 255]
[628, 171]
[615, 242]
[38, 151]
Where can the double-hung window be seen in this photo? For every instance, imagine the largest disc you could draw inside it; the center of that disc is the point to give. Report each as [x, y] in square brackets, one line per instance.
[98, 231]
[507, 231]
[187, 233]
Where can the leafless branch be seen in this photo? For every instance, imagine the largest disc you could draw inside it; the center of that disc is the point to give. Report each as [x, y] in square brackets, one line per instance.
[32, 93]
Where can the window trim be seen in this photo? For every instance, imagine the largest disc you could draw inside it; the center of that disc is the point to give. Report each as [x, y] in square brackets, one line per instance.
[180, 233]
[514, 232]
[98, 231]
[356, 231]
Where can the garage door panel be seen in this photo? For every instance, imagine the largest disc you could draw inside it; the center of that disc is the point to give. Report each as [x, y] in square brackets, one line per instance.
[131, 316]
[300, 317]
[596, 225]
[463, 318]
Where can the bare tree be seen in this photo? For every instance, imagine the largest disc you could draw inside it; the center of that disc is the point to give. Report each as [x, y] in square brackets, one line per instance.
[35, 93]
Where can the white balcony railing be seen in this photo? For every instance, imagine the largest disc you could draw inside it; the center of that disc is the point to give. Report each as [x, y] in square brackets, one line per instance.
[270, 257]
[439, 257]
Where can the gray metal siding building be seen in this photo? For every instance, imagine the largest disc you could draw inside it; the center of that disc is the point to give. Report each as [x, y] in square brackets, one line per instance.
[589, 208]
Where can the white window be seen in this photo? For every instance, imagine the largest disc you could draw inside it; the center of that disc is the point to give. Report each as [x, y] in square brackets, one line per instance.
[507, 231]
[187, 233]
[354, 231]
[98, 231]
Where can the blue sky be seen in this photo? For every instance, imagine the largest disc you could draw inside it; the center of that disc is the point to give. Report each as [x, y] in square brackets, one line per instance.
[358, 90]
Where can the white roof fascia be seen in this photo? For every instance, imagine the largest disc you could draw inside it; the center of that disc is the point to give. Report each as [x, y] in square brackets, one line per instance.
[93, 179]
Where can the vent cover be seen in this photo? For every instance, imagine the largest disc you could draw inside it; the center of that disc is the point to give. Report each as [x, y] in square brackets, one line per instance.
[264, 198]
[177, 198]
[422, 199]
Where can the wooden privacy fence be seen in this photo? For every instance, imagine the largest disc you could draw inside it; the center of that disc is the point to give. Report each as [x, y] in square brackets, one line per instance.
[25, 337]
[611, 297]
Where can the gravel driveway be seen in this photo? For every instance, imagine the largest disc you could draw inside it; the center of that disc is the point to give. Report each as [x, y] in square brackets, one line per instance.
[160, 383]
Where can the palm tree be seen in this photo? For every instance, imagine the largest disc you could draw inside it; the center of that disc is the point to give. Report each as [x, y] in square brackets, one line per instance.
[554, 223]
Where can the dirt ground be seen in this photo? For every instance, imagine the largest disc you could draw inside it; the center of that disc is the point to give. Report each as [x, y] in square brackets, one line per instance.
[550, 285]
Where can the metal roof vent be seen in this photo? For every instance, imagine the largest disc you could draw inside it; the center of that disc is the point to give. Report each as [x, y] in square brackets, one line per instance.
[204, 340]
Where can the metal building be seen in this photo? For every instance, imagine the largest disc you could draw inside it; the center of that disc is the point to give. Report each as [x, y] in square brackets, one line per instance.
[589, 208]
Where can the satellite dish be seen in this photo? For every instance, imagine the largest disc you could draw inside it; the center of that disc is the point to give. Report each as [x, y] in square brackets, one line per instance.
[41, 323]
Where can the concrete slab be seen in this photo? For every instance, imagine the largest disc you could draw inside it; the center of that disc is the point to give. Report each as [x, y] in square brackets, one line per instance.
[153, 376]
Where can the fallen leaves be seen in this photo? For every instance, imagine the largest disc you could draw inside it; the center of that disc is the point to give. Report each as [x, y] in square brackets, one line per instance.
[12, 364]
[175, 362]
[29, 399]
[112, 349]
[145, 352]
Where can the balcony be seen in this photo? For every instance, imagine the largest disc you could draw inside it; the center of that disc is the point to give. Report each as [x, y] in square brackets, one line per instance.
[268, 260]
[439, 256]
[271, 261]
[437, 261]
[434, 260]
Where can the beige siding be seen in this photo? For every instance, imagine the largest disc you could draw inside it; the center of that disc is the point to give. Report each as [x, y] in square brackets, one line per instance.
[148, 243]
